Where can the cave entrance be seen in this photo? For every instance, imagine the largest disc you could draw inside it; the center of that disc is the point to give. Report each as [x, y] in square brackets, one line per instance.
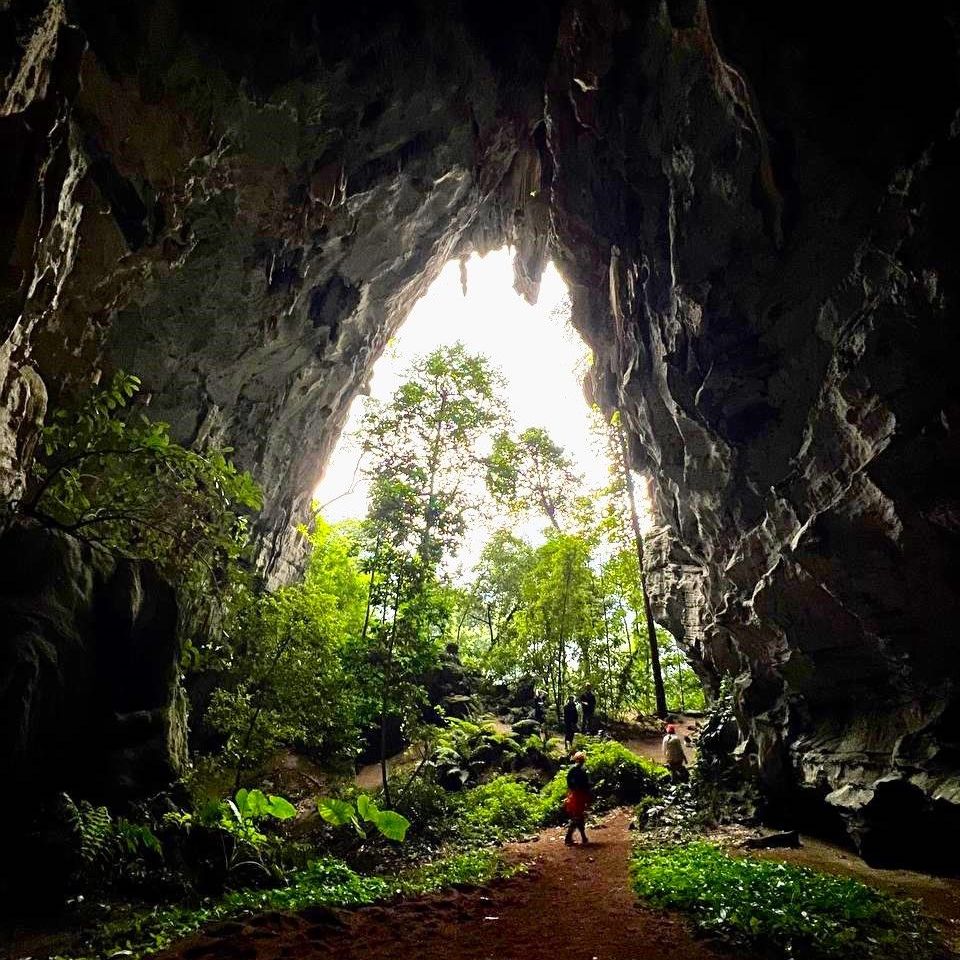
[535, 347]
[543, 361]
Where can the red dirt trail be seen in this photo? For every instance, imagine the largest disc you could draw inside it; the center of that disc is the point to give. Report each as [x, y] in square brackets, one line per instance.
[573, 903]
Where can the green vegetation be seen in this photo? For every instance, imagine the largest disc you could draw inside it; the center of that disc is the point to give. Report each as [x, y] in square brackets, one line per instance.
[325, 882]
[342, 813]
[619, 776]
[463, 749]
[102, 846]
[502, 809]
[792, 910]
[471, 868]
[120, 482]
[420, 448]
[340, 666]
[289, 668]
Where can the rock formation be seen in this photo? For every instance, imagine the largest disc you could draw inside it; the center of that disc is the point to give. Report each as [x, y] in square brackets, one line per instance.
[89, 668]
[752, 208]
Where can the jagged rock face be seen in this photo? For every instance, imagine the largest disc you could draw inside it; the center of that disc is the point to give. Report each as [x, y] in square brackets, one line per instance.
[754, 219]
[89, 666]
[782, 295]
[245, 210]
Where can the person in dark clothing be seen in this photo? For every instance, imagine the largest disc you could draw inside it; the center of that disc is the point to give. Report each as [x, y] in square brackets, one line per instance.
[540, 712]
[570, 721]
[578, 798]
[588, 700]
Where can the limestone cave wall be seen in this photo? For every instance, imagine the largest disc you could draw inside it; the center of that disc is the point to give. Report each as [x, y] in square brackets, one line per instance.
[753, 207]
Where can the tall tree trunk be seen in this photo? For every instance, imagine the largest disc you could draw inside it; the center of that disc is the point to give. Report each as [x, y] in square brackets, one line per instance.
[385, 698]
[373, 571]
[659, 692]
[432, 466]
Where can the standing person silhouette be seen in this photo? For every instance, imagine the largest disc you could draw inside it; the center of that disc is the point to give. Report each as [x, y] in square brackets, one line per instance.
[540, 711]
[578, 798]
[588, 700]
[571, 720]
[674, 756]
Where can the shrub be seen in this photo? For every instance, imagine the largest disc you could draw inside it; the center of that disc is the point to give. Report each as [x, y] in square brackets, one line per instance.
[222, 837]
[424, 803]
[122, 483]
[343, 813]
[618, 775]
[104, 848]
[503, 809]
[793, 910]
[465, 747]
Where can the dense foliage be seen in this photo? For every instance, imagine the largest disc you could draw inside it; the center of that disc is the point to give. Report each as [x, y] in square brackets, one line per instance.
[503, 809]
[118, 480]
[334, 669]
[289, 667]
[795, 911]
[618, 775]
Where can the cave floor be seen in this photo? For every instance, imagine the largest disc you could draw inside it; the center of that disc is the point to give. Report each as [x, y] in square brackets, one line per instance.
[572, 903]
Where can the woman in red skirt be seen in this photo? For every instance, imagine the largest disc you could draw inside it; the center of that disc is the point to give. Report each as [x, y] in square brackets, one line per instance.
[578, 797]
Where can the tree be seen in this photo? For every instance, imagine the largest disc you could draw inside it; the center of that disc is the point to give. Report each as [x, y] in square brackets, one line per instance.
[491, 603]
[285, 676]
[118, 481]
[559, 613]
[423, 448]
[532, 473]
[624, 464]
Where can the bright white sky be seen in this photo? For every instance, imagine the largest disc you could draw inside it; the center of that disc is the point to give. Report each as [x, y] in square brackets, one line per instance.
[535, 347]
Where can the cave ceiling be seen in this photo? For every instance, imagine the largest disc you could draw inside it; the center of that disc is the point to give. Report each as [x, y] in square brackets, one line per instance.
[753, 207]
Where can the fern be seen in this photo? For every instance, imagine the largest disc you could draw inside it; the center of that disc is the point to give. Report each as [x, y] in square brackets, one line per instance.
[93, 831]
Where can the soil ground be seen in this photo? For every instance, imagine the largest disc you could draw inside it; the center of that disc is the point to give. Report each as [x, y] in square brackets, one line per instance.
[573, 903]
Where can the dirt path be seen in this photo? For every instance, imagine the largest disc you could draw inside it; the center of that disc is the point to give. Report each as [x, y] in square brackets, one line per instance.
[651, 745]
[574, 903]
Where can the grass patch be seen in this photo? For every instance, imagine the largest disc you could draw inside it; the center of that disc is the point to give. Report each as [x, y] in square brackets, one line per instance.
[797, 911]
[473, 868]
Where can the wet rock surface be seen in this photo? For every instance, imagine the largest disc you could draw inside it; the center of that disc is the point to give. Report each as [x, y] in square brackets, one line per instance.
[755, 216]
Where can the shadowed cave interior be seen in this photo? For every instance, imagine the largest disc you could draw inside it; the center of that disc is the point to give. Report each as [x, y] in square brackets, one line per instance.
[754, 210]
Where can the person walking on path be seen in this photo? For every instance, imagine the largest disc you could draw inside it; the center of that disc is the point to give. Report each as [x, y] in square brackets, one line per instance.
[578, 798]
[674, 757]
[588, 700]
[570, 721]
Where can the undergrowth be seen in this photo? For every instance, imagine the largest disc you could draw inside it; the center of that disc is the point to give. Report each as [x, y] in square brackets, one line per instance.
[503, 809]
[324, 882]
[619, 776]
[794, 911]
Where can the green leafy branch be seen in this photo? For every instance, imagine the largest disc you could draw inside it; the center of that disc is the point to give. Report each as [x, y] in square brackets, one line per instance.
[121, 482]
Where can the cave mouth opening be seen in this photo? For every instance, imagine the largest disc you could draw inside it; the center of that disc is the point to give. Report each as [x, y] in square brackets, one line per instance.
[544, 362]
[534, 346]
